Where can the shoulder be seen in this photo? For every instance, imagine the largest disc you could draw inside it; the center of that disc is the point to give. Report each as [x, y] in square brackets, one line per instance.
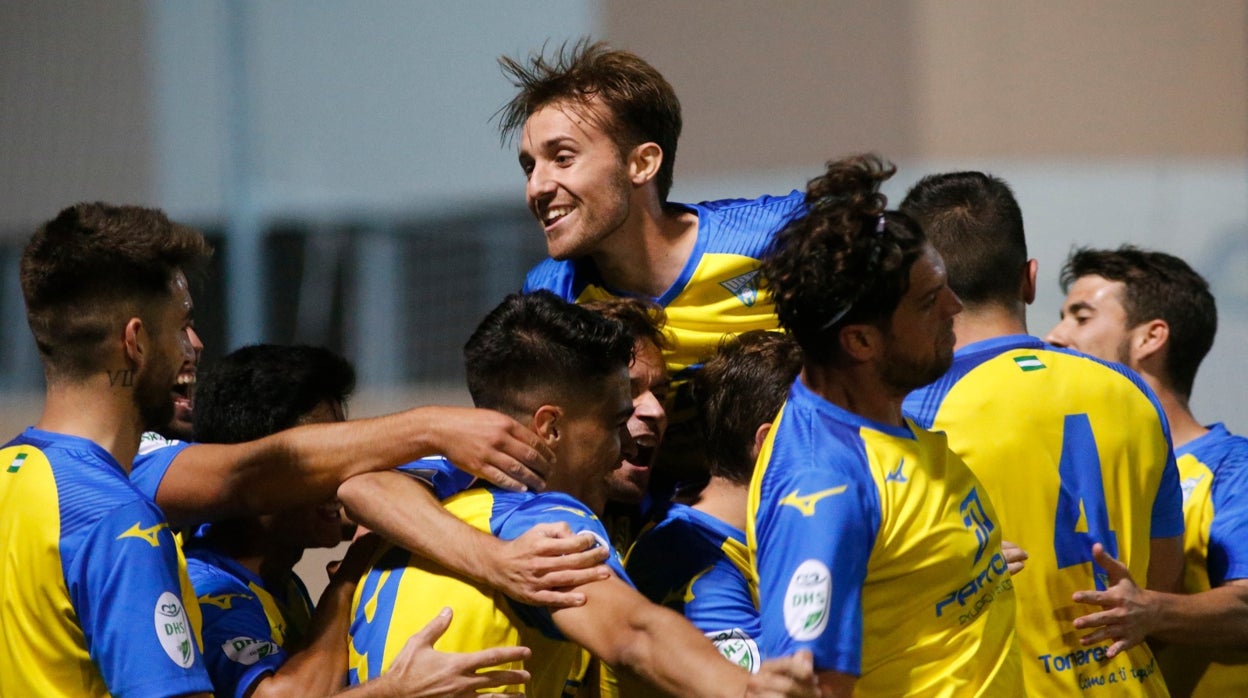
[558, 277]
[746, 226]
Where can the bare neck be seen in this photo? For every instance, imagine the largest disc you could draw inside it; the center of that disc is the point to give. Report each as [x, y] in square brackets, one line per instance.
[646, 255]
[94, 410]
[725, 500]
[1184, 426]
[857, 389]
[987, 322]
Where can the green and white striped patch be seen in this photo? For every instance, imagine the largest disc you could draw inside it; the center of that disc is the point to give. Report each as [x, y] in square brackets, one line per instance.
[17, 463]
[1029, 362]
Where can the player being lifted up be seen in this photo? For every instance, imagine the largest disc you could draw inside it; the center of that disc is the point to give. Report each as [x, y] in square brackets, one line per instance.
[1071, 451]
[873, 544]
[597, 131]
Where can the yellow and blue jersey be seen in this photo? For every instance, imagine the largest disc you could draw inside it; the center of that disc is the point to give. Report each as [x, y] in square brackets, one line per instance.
[876, 548]
[402, 592]
[156, 454]
[1214, 476]
[1071, 451]
[699, 567]
[247, 631]
[92, 599]
[717, 293]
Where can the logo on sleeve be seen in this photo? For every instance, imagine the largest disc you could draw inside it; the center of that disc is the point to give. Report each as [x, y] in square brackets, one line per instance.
[145, 534]
[737, 647]
[222, 601]
[808, 600]
[805, 503]
[174, 630]
[248, 650]
[1189, 485]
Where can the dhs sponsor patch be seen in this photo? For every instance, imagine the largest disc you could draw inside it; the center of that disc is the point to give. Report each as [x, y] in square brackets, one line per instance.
[738, 648]
[248, 650]
[808, 600]
[174, 630]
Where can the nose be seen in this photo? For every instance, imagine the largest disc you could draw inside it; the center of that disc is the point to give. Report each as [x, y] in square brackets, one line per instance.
[1057, 336]
[540, 185]
[955, 304]
[196, 345]
[647, 407]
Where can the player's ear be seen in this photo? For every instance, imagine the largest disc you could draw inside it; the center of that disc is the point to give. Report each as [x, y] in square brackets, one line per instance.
[1149, 338]
[134, 338]
[644, 162]
[1028, 290]
[859, 341]
[760, 435]
[546, 423]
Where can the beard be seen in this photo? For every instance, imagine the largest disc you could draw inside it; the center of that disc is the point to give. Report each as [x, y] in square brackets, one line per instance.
[154, 397]
[906, 373]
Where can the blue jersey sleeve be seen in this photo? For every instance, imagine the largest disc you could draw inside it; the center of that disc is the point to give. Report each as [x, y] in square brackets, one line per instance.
[555, 507]
[440, 474]
[1168, 506]
[239, 647]
[152, 461]
[1228, 534]
[813, 565]
[124, 584]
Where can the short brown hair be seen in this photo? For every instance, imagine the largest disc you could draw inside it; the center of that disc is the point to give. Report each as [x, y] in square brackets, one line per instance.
[642, 106]
[643, 319]
[94, 262]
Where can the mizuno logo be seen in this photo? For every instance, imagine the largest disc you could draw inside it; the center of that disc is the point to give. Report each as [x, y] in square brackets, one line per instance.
[896, 475]
[146, 534]
[572, 510]
[805, 503]
[224, 601]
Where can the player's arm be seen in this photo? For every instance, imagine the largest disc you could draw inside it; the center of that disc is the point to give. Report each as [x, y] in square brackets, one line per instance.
[1131, 614]
[1165, 564]
[620, 627]
[834, 684]
[307, 464]
[537, 568]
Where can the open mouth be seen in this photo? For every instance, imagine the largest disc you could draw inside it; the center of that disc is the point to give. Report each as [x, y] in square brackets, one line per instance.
[184, 390]
[644, 457]
[554, 214]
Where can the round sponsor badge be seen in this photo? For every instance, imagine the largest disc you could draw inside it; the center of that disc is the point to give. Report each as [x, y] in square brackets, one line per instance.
[807, 600]
[174, 630]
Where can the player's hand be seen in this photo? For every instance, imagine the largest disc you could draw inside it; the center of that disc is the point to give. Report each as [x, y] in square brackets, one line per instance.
[786, 677]
[420, 671]
[1015, 557]
[492, 446]
[1127, 617]
[537, 567]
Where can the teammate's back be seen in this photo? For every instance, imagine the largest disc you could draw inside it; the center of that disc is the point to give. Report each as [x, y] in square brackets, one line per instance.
[1072, 451]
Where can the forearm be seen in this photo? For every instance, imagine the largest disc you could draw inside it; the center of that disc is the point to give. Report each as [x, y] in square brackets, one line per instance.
[320, 668]
[405, 512]
[1165, 564]
[1218, 617]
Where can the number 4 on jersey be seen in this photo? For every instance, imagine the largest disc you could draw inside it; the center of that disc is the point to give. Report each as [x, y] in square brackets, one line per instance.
[1082, 515]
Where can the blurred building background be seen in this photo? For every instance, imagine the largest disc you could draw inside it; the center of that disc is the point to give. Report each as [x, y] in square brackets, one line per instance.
[342, 155]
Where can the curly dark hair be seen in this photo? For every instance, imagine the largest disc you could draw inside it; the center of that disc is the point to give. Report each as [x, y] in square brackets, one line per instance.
[846, 261]
[641, 105]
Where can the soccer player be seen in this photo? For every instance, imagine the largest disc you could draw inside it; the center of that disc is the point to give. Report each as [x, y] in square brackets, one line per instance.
[261, 635]
[628, 500]
[872, 544]
[597, 134]
[694, 560]
[1070, 450]
[564, 371]
[94, 603]
[1154, 313]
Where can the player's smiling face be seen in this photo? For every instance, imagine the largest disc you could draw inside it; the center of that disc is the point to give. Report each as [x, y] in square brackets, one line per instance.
[160, 385]
[577, 181]
[648, 384]
[920, 337]
[1094, 320]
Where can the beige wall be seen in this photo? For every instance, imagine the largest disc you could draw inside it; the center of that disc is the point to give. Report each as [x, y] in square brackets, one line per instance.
[1064, 79]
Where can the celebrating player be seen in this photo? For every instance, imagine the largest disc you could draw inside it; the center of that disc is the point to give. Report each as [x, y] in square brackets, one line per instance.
[1071, 451]
[1154, 313]
[873, 545]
